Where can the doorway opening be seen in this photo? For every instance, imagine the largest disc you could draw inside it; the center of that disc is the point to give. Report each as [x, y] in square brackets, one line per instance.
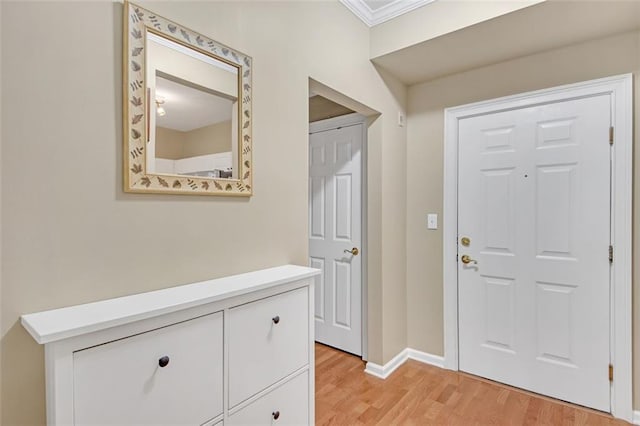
[338, 217]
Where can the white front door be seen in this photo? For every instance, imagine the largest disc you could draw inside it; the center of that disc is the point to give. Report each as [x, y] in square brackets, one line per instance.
[534, 204]
[334, 233]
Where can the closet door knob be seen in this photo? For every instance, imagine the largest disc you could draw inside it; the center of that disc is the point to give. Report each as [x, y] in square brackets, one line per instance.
[275, 319]
[164, 361]
[276, 415]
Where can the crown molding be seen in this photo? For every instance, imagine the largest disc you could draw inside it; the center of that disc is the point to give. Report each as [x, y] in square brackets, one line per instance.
[385, 13]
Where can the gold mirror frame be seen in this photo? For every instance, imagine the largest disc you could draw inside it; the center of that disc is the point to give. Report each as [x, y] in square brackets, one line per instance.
[137, 22]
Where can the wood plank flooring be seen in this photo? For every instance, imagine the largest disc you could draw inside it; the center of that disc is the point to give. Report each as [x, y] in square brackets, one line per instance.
[419, 394]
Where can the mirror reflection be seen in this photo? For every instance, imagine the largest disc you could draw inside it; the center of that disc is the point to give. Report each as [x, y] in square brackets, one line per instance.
[193, 105]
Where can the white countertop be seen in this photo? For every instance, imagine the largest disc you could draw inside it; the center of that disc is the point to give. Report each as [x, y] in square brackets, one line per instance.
[63, 323]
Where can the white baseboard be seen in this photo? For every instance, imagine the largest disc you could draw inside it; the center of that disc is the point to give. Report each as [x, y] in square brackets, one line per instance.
[425, 358]
[383, 371]
[636, 417]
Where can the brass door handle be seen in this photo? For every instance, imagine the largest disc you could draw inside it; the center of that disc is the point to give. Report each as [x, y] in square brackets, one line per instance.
[354, 251]
[466, 260]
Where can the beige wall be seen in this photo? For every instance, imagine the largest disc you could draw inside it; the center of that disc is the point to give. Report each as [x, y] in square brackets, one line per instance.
[70, 234]
[169, 143]
[600, 58]
[208, 140]
[439, 18]
[174, 144]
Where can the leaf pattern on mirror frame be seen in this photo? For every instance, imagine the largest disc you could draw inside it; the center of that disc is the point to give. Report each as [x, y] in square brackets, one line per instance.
[136, 168]
[136, 86]
[162, 182]
[192, 184]
[172, 28]
[136, 152]
[154, 22]
[145, 181]
[246, 174]
[225, 51]
[135, 66]
[135, 134]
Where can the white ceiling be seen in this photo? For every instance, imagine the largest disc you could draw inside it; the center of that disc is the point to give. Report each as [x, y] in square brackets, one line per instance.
[374, 12]
[188, 108]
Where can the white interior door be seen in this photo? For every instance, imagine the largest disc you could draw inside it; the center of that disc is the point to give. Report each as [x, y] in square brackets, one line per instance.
[534, 202]
[334, 230]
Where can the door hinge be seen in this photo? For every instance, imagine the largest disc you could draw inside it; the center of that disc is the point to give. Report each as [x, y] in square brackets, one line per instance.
[611, 135]
[611, 372]
[610, 254]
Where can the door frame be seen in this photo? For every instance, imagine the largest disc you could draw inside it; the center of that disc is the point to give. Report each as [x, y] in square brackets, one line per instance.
[332, 124]
[620, 89]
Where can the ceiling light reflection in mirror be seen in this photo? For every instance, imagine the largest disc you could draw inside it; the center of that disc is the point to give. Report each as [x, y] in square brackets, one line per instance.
[194, 128]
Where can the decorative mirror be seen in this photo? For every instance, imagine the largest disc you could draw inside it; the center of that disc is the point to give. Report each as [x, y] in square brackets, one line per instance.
[187, 110]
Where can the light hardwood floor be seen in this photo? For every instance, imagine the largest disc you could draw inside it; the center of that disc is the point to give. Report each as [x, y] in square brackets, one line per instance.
[419, 394]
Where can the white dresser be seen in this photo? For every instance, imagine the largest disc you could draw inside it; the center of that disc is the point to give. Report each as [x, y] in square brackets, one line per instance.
[235, 351]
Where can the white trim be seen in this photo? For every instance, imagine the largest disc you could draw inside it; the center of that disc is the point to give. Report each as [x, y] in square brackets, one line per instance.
[426, 358]
[636, 418]
[392, 10]
[337, 122]
[620, 89]
[384, 371]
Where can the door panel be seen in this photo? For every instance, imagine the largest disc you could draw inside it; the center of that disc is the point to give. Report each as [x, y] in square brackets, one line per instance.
[335, 226]
[534, 198]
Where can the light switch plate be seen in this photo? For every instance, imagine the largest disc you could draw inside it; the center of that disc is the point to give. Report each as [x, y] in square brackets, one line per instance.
[432, 221]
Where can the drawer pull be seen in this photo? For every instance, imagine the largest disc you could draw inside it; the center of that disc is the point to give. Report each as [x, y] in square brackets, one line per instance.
[276, 415]
[276, 319]
[164, 361]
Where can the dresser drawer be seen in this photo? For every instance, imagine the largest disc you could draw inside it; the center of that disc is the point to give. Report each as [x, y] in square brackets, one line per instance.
[124, 383]
[268, 339]
[289, 403]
